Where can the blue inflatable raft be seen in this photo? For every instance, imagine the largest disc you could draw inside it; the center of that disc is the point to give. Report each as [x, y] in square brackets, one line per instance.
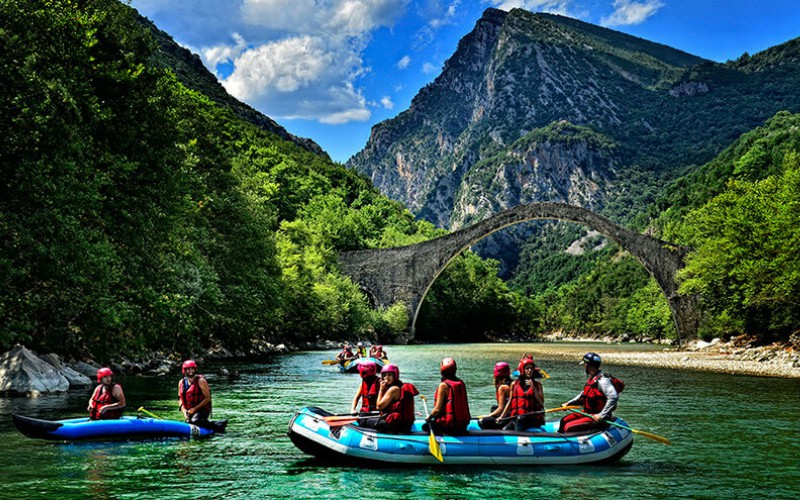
[352, 365]
[122, 428]
[311, 434]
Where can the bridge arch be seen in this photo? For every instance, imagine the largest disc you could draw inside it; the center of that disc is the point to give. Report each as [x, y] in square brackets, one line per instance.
[390, 275]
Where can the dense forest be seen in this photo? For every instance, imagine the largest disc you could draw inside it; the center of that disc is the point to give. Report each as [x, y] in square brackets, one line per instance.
[138, 214]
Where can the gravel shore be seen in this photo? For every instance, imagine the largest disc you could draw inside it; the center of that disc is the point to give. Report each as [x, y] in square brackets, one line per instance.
[774, 360]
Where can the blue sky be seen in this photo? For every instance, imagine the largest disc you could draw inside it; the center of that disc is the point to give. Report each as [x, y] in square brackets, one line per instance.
[330, 69]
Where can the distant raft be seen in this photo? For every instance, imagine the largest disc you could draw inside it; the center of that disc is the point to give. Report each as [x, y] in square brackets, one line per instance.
[123, 428]
[361, 446]
[352, 365]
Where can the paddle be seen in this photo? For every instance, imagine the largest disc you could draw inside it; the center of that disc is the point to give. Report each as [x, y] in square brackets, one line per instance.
[654, 437]
[342, 421]
[351, 417]
[141, 409]
[330, 362]
[433, 446]
[515, 374]
[560, 408]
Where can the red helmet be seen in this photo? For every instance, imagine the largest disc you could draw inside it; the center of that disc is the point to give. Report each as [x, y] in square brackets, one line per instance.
[527, 359]
[367, 369]
[502, 368]
[189, 363]
[379, 348]
[391, 368]
[448, 365]
[104, 372]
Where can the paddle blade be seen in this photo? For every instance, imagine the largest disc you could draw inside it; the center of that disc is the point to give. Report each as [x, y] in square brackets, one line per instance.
[330, 362]
[341, 422]
[434, 448]
[654, 437]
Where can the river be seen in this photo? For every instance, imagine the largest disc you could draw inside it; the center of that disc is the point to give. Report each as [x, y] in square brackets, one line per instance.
[734, 437]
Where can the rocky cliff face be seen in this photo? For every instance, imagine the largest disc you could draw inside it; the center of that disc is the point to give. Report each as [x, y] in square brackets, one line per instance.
[535, 107]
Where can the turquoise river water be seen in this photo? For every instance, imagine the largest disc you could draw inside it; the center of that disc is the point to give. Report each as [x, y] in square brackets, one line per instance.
[734, 437]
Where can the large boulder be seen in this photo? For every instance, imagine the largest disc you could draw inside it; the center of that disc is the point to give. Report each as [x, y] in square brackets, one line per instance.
[88, 369]
[22, 372]
[74, 378]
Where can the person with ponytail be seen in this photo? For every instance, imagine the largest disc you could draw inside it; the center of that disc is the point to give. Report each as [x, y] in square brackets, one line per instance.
[502, 392]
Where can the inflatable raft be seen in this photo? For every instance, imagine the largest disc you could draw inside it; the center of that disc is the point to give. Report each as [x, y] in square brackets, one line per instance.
[311, 434]
[123, 428]
[352, 365]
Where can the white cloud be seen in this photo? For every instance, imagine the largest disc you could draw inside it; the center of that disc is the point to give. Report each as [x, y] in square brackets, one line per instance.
[386, 102]
[290, 58]
[445, 15]
[428, 68]
[562, 7]
[330, 17]
[403, 62]
[628, 12]
[301, 77]
[223, 53]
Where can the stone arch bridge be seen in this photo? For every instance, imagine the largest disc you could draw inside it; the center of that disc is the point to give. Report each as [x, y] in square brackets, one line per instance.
[390, 275]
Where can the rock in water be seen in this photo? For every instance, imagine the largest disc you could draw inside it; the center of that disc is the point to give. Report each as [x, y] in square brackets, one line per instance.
[74, 378]
[22, 372]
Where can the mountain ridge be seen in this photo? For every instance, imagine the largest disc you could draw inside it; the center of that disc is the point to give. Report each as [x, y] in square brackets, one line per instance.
[518, 72]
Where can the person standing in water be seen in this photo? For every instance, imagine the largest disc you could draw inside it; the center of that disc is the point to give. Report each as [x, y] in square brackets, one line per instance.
[194, 395]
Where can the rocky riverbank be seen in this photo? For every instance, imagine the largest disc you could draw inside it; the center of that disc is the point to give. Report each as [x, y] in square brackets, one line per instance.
[740, 355]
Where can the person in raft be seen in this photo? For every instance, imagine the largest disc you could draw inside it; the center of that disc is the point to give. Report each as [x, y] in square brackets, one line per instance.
[361, 351]
[346, 354]
[450, 414]
[527, 398]
[369, 388]
[194, 395]
[108, 400]
[502, 391]
[395, 402]
[598, 398]
[377, 352]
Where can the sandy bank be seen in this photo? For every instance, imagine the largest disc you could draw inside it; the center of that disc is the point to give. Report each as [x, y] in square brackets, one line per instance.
[725, 357]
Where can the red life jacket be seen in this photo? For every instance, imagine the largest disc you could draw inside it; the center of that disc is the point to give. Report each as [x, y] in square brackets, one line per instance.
[593, 399]
[525, 401]
[191, 396]
[456, 409]
[104, 396]
[400, 414]
[369, 393]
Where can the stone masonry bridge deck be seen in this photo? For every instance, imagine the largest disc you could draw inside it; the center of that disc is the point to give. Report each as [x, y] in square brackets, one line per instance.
[391, 275]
